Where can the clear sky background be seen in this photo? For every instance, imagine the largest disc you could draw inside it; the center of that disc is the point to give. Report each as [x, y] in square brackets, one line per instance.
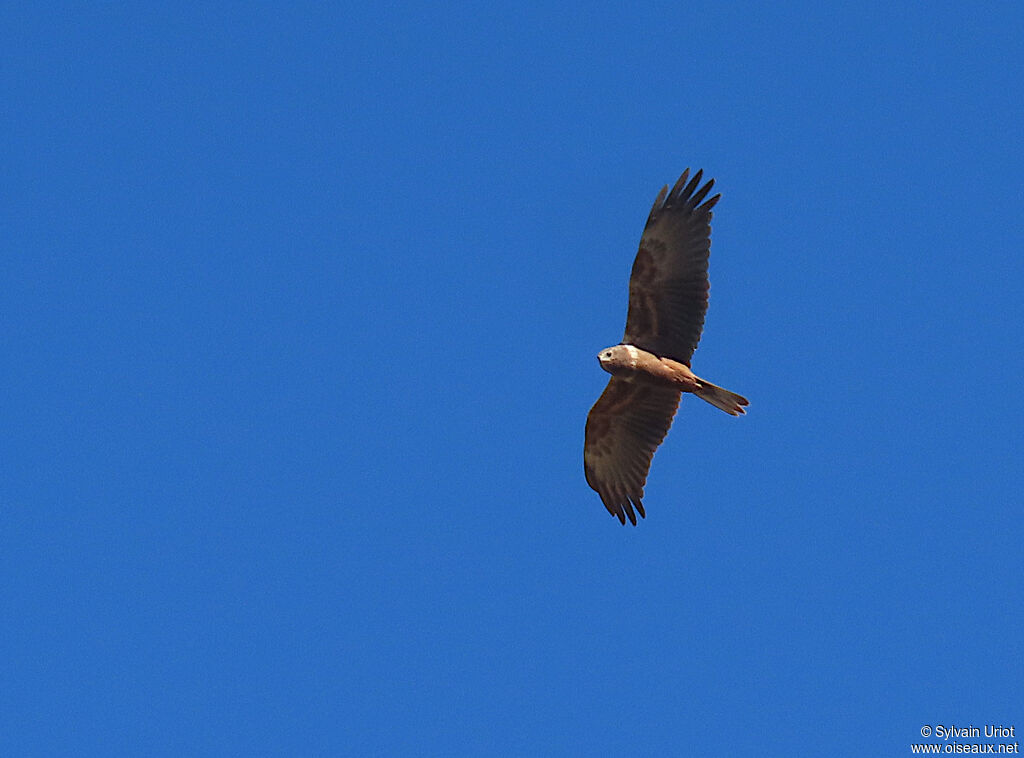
[301, 307]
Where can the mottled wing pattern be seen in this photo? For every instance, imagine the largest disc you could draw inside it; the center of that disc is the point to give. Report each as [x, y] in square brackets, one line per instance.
[624, 428]
[668, 289]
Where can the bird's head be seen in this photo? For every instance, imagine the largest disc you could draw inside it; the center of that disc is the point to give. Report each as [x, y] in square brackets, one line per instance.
[615, 359]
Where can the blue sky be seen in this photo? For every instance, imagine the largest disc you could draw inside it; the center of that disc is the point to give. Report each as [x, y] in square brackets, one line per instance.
[301, 314]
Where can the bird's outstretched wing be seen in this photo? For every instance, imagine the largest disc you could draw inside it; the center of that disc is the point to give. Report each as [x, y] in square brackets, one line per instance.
[668, 288]
[624, 428]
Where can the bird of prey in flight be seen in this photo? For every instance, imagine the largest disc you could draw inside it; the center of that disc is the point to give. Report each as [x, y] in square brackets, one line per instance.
[650, 368]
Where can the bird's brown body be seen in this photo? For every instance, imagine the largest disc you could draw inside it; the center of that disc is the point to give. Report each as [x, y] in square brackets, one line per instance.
[633, 363]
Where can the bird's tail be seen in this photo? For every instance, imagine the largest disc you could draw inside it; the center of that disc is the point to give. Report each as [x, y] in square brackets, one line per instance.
[721, 398]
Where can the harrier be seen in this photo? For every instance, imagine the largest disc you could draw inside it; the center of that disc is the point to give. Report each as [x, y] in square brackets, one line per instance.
[668, 297]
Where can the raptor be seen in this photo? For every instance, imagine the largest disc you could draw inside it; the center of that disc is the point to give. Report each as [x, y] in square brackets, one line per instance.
[650, 368]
